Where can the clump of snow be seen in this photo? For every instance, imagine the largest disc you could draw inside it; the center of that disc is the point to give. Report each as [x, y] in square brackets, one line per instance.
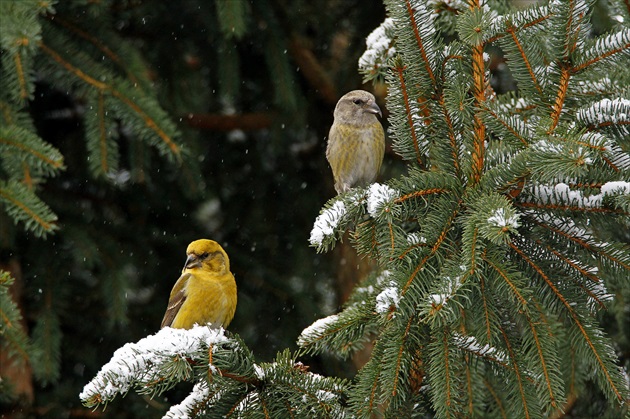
[616, 155]
[449, 286]
[325, 396]
[197, 397]
[611, 188]
[383, 276]
[602, 85]
[380, 46]
[141, 362]
[564, 224]
[606, 110]
[561, 192]
[387, 298]
[471, 344]
[500, 219]
[416, 238]
[260, 373]
[379, 195]
[316, 329]
[326, 222]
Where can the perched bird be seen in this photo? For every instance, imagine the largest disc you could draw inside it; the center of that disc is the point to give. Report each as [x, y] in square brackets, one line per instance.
[356, 142]
[206, 291]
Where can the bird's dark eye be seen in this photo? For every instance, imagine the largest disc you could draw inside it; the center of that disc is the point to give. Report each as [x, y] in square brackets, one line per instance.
[357, 101]
[203, 256]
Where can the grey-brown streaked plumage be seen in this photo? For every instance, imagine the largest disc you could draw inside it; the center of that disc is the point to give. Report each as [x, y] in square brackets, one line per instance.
[356, 142]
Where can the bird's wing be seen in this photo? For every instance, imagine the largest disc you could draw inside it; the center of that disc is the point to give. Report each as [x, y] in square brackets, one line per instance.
[380, 144]
[177, 298]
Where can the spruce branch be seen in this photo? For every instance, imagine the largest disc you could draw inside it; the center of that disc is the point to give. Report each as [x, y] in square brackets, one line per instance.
[98, 43]
[488, 241]
[135, 105]
[24, 206]
[15, 341]
[409, 112]
[227, 380]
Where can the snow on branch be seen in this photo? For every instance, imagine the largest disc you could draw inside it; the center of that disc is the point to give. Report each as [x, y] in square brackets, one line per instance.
[502, 218]
[470, 344]
[388, 299]
[140, 364]
[608, 46]
[380, 48]
[194, 402]
[562, 194]
[326, 222]
[379, 198]
[447, 289]
[316, 330]
[605, 111]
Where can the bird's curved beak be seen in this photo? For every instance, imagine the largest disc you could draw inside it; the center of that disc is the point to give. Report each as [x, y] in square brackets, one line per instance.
[373, 108]
[192, 261]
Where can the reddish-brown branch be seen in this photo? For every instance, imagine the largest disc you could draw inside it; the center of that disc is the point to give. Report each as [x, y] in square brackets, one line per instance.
[508, 127]
[543, 363]
[20, 75]
[416, 194]
[516, 371]
[150, 122]
[96, 42]
[414, 137]
[496, 398]
[400, 355]
[57, 164]
[216, 122]
[582, 271]
[479, 87]
[507, 280]
[415, 246]
[527, 25]
[573, 314]
[563, 87]
[608, 123]
[416, 32]
[584, 244]
[511, 30]
[574, 265]
[391, 236]
[485, 309]
[566, 408]
[32, 215]
[434, 249]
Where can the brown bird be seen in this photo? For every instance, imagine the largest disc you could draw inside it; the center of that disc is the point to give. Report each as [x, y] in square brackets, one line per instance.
[206, 291]
[356, 142]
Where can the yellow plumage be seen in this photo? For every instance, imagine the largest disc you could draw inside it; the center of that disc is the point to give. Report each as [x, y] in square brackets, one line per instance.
[205, 293]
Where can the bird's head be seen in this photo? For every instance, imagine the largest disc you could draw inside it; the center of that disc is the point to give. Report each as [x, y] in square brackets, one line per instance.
[357, 107]
[208, 255]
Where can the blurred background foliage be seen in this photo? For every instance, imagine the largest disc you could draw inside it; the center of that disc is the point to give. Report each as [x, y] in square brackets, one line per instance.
[250, 87]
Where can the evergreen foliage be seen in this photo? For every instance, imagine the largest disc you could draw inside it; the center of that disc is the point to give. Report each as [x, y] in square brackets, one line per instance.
[227, 379]
[492, 273]
[498, 250]
[128, 129]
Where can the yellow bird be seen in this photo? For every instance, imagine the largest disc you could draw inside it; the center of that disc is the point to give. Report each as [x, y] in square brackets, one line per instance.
[206, 291]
